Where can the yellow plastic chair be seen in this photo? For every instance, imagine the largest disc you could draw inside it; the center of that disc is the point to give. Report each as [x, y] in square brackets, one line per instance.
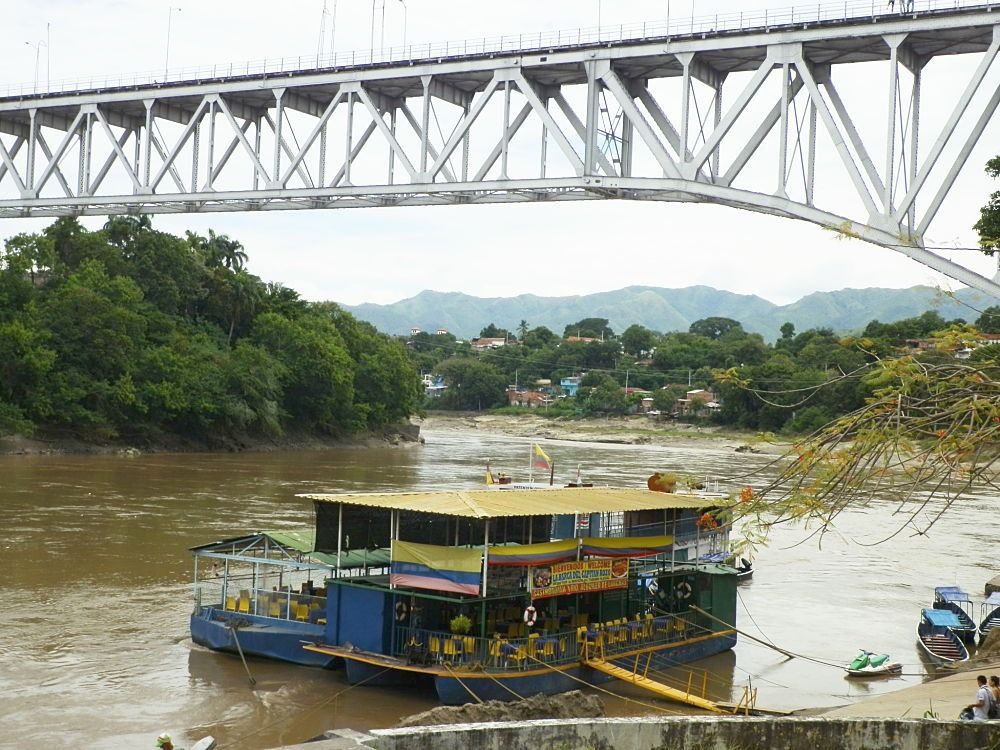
[274, 608]
[533, 646]
[230, 602]
[244, 605]
[434, 647]
[469, 642]
[548, 650]
[496, 650]
[449, 649]
[302, 612]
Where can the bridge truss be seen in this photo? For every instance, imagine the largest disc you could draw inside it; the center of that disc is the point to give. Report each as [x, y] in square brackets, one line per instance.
[751, 119]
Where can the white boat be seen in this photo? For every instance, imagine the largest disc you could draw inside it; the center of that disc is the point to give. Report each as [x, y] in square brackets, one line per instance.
[869, 664]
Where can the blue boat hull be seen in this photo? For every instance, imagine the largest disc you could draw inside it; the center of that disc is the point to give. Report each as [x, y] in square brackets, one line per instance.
[968, 631]
[375, 675]
[258, 636]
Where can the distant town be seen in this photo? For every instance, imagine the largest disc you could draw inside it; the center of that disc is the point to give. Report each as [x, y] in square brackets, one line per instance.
[715, 372]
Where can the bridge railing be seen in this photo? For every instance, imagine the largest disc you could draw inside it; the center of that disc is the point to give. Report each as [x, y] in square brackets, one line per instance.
[676, 26]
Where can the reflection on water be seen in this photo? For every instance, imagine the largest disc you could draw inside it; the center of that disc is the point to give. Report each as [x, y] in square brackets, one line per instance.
[93, 625]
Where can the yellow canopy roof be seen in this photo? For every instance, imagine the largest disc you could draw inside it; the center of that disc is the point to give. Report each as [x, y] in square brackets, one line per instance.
[497, 503]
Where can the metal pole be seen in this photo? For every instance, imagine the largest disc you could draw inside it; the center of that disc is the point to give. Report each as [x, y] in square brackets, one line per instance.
[486, 554]
[166, 56]
[340, 534]
[668, 17]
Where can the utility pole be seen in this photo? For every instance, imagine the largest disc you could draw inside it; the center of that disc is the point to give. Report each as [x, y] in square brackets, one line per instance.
[166, 57]
[38, 48]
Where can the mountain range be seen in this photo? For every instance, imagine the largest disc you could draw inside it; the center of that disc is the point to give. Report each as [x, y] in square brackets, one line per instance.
[666, 310]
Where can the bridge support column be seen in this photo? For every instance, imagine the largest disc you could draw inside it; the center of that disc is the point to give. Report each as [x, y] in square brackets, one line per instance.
[29, 170]
[893, 41]
[147, 147]
[593, 114]
[279, 125]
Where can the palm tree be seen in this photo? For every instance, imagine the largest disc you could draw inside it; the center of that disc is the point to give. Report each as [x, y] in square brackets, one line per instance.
[220, 250]
[245, 292]
[522, 329]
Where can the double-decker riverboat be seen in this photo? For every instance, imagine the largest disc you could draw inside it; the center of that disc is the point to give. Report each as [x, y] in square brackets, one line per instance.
[478, 593]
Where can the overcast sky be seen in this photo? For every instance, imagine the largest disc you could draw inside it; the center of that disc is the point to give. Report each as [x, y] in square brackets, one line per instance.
[383, 255]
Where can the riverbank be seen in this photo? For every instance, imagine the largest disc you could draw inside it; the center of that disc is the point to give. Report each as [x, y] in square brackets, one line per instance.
[630, 430]
[60, 445]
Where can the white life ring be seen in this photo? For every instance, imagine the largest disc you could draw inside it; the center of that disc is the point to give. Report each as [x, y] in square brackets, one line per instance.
[683, 590]
[530, 615]
[652, 587]
[401, 611]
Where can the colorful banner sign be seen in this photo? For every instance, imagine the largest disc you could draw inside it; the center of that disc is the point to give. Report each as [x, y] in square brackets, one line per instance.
[628, 546]
[578, 577]
[533, 555]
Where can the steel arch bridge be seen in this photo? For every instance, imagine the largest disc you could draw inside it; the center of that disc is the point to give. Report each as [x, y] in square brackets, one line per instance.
[740, 112]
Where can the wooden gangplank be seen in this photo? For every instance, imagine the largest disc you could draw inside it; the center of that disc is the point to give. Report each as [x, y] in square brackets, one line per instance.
[634, 678]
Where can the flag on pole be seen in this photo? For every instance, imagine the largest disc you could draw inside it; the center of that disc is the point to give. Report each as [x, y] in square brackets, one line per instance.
[540, 460]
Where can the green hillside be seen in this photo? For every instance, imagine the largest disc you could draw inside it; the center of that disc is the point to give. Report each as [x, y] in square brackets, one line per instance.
[666, 309]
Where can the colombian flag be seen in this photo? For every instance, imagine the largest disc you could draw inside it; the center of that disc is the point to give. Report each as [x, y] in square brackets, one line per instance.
[428, 566]
[540, 460]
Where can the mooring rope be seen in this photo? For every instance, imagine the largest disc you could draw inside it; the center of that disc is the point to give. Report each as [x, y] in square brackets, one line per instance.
[460, 682]
[609, 692]
[309, 709]
[239, 648]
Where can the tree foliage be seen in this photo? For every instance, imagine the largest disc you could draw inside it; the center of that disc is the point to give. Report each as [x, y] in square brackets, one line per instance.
[589, 328]
[927, 435]
[135, 333]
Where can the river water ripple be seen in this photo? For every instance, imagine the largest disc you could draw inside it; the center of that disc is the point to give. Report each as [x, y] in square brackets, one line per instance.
[94, 647]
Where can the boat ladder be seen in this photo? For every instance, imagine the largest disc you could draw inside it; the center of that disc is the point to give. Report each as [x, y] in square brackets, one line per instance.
[633, 677]
[748, 703]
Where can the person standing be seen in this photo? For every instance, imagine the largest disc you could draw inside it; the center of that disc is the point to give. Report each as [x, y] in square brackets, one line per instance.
[984, 698]
[995, 690]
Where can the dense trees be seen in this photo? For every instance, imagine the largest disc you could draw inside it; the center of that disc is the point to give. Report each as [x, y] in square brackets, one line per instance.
[128, 332]
[795, 385]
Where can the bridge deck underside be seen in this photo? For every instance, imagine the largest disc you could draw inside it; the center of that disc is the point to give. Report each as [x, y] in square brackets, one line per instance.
[753, 119]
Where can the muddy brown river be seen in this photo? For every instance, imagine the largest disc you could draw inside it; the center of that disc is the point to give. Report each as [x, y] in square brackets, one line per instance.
[95, 594]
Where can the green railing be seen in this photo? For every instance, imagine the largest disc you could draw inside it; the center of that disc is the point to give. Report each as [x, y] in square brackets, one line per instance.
[499, 653]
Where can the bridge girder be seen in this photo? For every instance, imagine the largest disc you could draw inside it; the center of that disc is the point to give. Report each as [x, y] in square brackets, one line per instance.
[638, 120]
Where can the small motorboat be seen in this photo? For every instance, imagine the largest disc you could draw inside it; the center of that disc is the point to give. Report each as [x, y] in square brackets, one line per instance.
[989, 615]
[742, 566]
[870, 664]
[744, 569]
[937, 638]
[953, 599]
